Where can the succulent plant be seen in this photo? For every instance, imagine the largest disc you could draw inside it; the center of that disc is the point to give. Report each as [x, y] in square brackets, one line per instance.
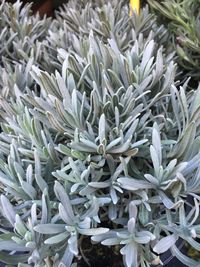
[104, 147]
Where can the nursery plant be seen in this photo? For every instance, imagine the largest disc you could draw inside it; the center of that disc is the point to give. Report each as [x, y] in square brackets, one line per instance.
[182, 20]
[102, 153]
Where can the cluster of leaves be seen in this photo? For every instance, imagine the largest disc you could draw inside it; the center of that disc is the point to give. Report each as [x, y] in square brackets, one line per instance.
[107, 147]
[111, 19]
[183, 20]
[22, 42]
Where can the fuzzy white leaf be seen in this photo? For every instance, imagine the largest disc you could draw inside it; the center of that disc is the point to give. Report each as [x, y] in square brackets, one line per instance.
[165, 243]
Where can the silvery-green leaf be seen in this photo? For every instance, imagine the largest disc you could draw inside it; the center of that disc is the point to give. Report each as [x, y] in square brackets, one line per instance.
[49, 228]
[34, 256]
[83, 74]
[29, 174]
[112, 211]
[185, 141]
[37, 163]
[131, 225]
[132, 210]
[113, 195]
[31, 245]
[147, 54]
[151, 179]
[139, 143]
[155, 160]
[85, 146]
[7, 182]
[142, 239]
[12, 259]
[34, 214]
[99, 184]
[67, 258]
[62, 196]
[146, 233]
[104, 236]
[17, 240]
[93, 231]
[55, 123]
[131, 152]
[130, 253]
[8, 210]
[165, 243]
[134, 184]
[120, 148]
[57, 238]
[73, 244]
[85, 224]
[18, 169]
[132, 129]
[102, 128]
[170, 167]
[63, 89]
[157, 144]
[159, 64]
[64, 149]
[29, 189]
[110, 242]
[167, 201]
[41, 182]
[75, 187]
[191, 165]
[64, 215]
[12, 246]
[45, 212]
[19, 225]
[113, 143]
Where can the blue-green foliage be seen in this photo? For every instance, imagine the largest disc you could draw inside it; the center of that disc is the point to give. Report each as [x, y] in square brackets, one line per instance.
[106, 147]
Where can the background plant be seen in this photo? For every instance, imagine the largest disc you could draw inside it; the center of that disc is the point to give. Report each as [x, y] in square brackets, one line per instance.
[182, 20]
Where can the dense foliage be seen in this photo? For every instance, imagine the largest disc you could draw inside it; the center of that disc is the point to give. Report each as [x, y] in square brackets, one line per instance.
[100, 144]
[183, 22]
[22, 41]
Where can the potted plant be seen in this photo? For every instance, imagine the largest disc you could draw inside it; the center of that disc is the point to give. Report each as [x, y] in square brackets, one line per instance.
[100, 154]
